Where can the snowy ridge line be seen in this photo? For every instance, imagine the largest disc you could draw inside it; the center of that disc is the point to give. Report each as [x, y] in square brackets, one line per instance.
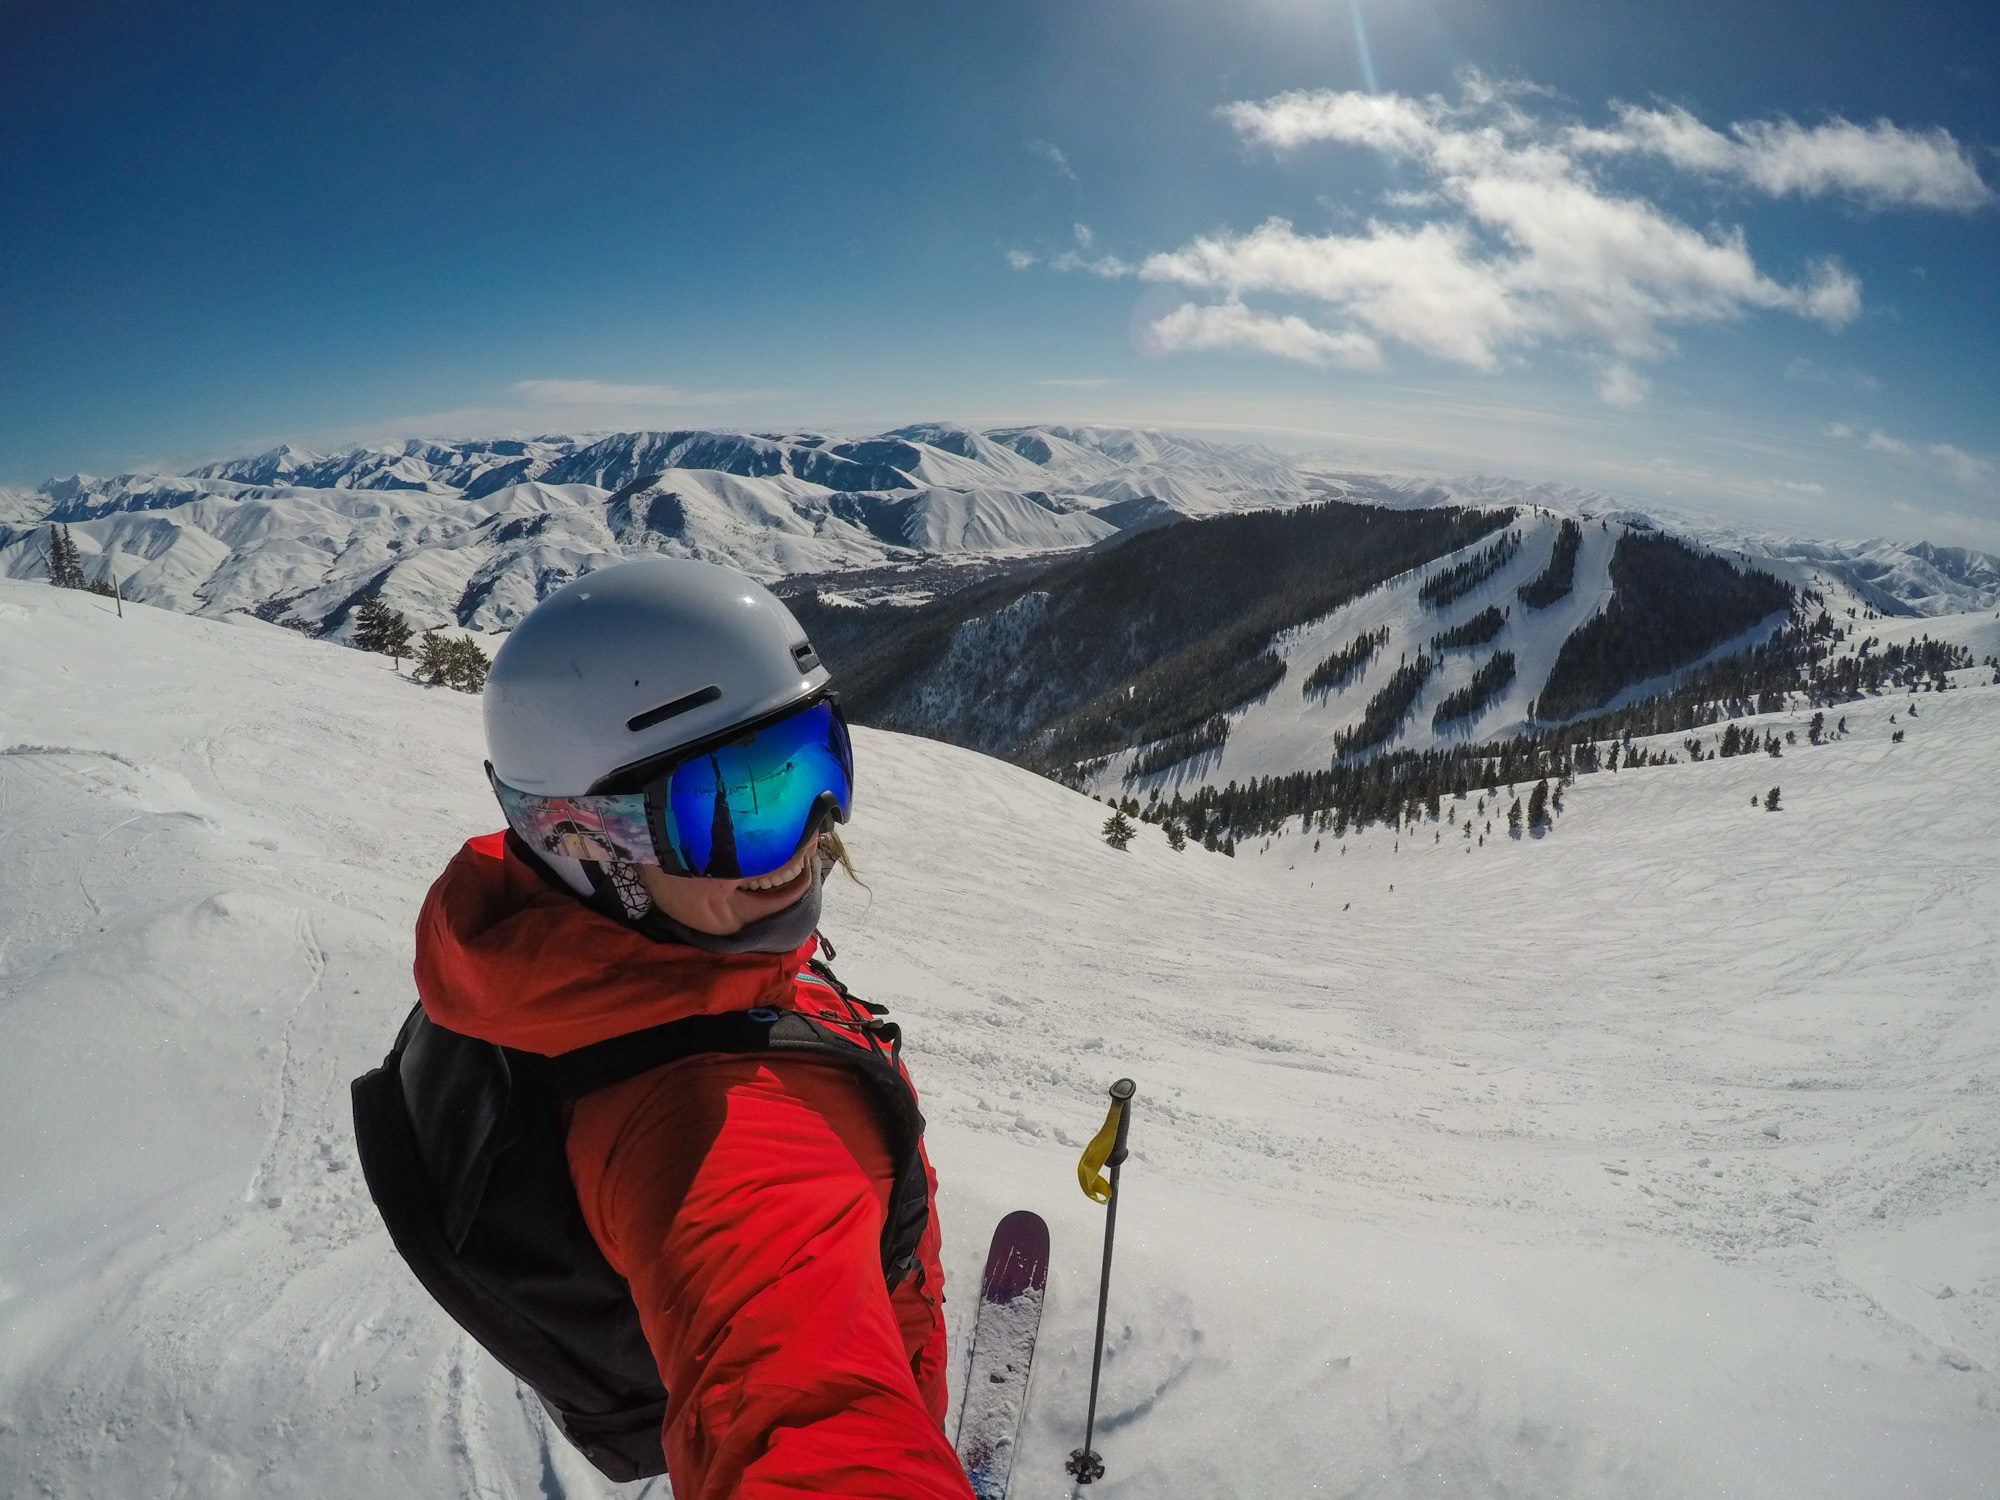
[472, 534]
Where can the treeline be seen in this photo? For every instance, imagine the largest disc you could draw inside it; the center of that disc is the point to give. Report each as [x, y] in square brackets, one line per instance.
[1870, 670]
[1476, 631]
[1559, 577]
[1460, 579]
[1670, 604]
[1387, 709]
[1488, 683]
[1210, 734]
[1180, 620]
[1402, 785]
[1345, 664]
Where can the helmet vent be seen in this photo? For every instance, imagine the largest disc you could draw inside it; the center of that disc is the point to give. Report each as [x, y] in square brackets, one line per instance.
[804, 655]
[666, 711]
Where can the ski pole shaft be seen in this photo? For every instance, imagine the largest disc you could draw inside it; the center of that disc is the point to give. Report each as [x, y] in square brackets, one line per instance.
[1084, 1462]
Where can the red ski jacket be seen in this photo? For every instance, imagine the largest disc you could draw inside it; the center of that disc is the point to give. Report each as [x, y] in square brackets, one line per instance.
[742, 1198]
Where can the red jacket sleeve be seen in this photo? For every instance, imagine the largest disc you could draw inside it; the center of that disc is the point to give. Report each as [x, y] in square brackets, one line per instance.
[743, 1200]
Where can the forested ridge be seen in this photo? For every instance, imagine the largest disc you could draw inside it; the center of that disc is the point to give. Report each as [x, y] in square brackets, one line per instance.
[1148, 639]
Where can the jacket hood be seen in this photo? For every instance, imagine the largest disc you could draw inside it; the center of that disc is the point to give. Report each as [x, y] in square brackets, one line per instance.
[506, 955]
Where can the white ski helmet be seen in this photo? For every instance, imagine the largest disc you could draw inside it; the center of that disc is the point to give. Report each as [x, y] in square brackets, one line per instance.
[632, 662]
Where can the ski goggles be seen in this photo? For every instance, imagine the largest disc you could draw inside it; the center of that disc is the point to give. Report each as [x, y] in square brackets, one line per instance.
[733, 807]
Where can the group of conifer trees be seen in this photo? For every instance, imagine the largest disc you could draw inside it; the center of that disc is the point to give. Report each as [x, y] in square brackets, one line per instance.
[1460, 579]
[1559, 577]
[1345, 664]
[1387, 709]
[1476, 631]
[1488, 683]
[65, 565]
[442, 660]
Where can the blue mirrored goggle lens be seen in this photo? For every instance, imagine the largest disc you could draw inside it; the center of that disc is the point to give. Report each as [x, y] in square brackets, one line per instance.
[739, 810]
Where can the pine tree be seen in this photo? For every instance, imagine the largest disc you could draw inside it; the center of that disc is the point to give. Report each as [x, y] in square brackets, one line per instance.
[1176, 840]
[468, 666]
[65, 565]
[382, 629]
[1514, 817]
[1771, 800]
[1118, 829]
[433, 663]
[1538, 805]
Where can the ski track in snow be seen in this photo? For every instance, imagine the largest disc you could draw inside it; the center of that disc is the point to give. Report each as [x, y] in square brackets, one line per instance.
[1658, 1156]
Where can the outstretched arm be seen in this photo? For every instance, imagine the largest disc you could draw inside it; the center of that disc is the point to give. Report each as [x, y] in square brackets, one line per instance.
[743, 1200]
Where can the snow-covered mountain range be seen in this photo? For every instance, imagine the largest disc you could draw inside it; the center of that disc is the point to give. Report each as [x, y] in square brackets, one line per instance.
[1657, 1156]
[472, 533]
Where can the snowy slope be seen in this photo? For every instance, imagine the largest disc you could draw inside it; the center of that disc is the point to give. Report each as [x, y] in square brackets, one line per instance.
[1285, 730]
[1656, 1157]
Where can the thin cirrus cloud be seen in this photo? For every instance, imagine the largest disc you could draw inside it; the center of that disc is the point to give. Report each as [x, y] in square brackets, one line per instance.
[1514, 242]
[1970, 470]
[1051, 153]
[600, 393]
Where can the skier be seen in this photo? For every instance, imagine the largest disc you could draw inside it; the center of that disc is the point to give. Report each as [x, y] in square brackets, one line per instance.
[671, 759]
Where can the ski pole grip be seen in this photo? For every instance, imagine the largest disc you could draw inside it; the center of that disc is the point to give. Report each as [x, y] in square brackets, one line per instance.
[1121, 1096]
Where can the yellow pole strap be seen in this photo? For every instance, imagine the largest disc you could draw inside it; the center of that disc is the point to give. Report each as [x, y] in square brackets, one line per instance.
[1090, 1170]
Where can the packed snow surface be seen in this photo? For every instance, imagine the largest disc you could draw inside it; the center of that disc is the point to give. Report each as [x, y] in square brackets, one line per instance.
[1659, 1156]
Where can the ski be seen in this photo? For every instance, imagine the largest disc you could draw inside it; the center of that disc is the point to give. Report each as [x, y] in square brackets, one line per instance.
[1003, 1351]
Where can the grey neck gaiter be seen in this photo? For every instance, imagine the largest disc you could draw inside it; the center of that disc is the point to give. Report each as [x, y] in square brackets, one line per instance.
[780, 932]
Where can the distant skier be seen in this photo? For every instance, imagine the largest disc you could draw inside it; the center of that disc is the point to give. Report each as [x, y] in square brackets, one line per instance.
[671, 760]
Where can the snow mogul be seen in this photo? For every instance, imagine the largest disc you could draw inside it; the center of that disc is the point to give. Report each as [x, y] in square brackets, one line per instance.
[637, 1138]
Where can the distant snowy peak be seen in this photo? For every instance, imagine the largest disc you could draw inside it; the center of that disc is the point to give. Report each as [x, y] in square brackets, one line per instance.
[418, 464]
[1892, 578]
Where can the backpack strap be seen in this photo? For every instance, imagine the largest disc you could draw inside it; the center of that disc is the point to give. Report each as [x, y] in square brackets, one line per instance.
[874, 1061]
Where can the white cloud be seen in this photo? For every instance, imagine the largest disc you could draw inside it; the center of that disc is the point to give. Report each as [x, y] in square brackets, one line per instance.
[1971, 470]
[1231, 325]
[1968, 469]
[1622, 386]
[1799, 486]
[1801, 368]
[1520, 246]
[1424, 287]
[1084, 238]
[592, 393]
[1020, 260]
[1108, 266]
[1388, 122]
[1080, 382]
[1839, 430]
[1052, 154]
[1881, 165]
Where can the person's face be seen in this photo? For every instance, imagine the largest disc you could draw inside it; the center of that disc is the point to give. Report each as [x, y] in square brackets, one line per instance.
[720, 907]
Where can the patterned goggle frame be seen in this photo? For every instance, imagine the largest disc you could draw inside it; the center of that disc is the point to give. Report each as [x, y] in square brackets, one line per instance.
[732, 809]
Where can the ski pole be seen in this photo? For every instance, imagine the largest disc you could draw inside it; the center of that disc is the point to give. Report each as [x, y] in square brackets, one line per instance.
[1107, 1148]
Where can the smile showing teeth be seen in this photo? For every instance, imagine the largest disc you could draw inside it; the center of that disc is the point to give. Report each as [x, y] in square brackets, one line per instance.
[781, 877]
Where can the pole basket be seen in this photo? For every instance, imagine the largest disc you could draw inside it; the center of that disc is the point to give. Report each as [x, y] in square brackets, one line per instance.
[1085, 1465]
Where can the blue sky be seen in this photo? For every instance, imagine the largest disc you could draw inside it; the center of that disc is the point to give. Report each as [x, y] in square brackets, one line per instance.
[1742, 262]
